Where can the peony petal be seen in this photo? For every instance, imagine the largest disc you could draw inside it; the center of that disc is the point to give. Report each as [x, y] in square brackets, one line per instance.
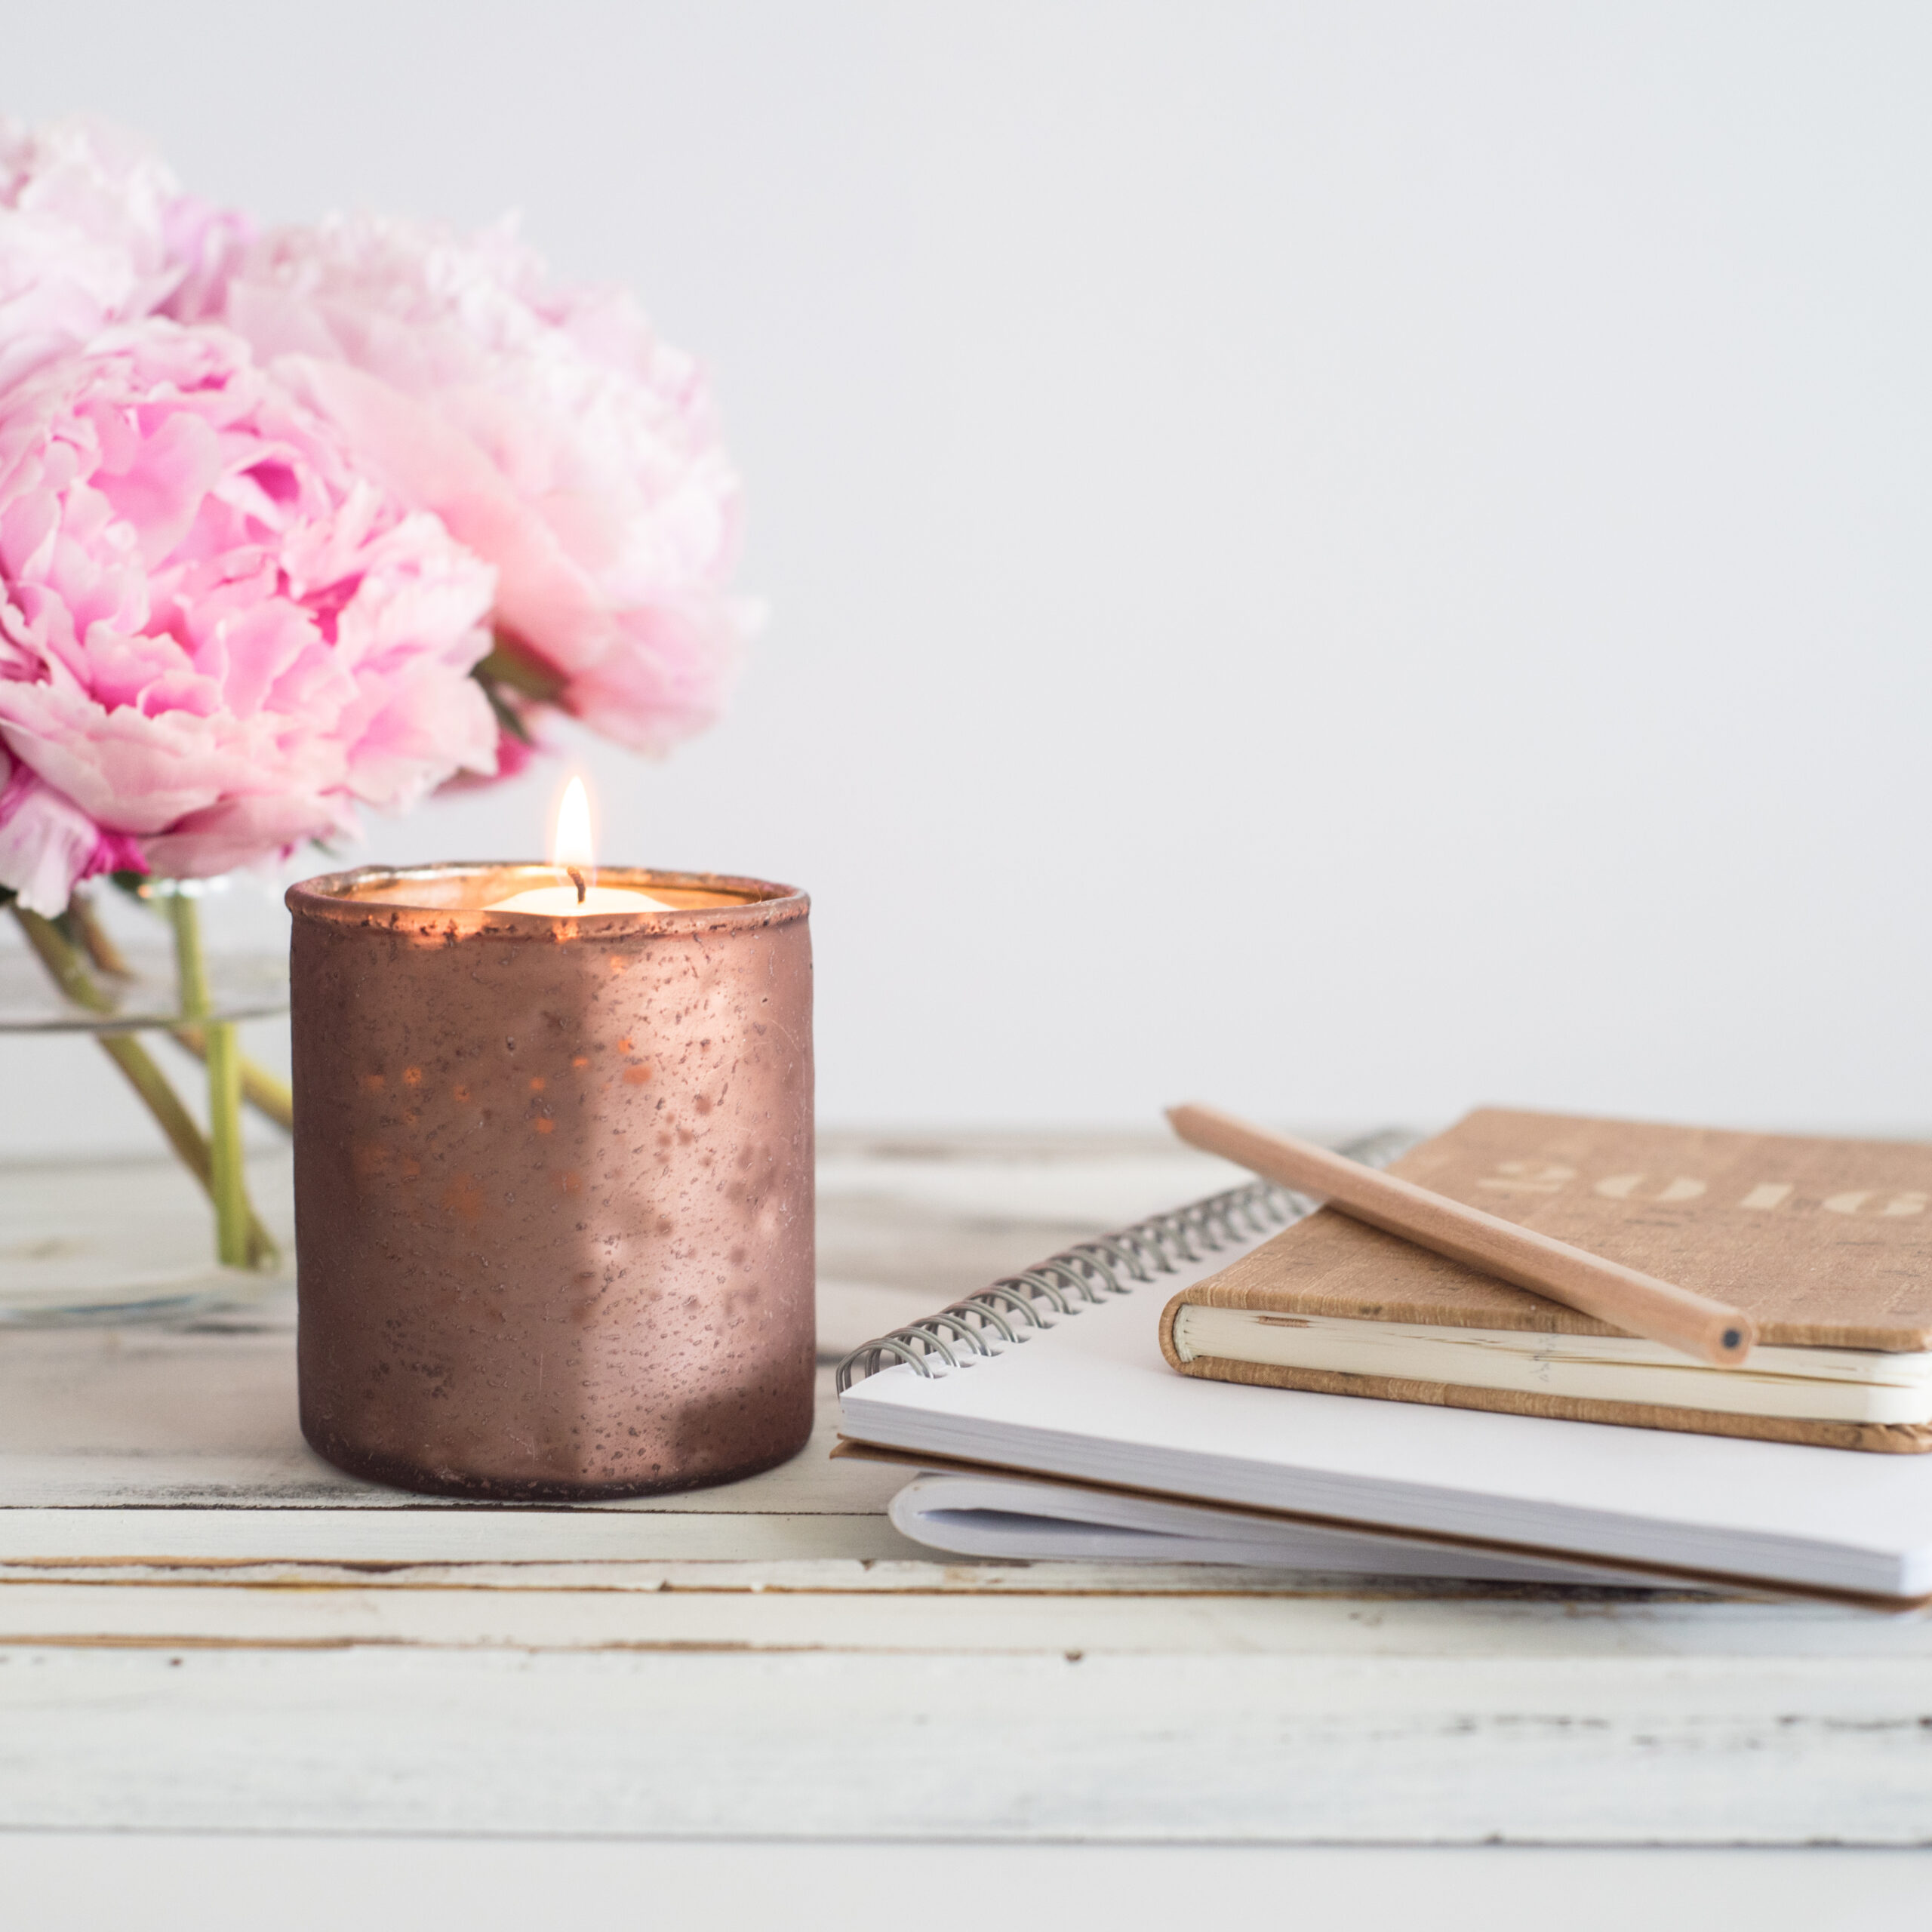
[547, 426]
[215, 636]
[48, 844]
[158, 494]
[238, 831]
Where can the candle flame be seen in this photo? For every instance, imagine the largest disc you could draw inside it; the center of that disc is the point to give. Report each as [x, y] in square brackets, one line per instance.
[570, 850]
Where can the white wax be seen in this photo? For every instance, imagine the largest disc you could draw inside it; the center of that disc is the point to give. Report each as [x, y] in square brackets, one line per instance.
[561, 901]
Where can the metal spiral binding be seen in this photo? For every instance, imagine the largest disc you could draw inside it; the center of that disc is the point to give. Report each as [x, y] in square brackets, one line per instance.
[968, 1331]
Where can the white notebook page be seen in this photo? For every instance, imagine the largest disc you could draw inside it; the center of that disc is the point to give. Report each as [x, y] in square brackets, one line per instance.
[1028, 1518]
[1092, 1399]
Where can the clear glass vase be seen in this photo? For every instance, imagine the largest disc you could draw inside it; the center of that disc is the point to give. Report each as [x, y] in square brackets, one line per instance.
[156, 979]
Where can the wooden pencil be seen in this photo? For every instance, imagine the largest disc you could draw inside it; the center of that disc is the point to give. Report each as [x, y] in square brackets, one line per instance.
[1639, 1304]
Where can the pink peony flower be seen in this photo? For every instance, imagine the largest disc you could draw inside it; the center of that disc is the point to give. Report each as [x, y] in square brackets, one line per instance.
[551, 432]
[93, 231]
[217, 638]
[47, 844]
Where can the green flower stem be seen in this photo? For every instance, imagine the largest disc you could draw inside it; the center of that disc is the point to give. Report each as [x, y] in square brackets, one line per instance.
[98, 941]
[68, 970]
[227, 1183]
[70, 973]
[230, 1186]
[260, 1089]
[269, 1096]
[147, 1078]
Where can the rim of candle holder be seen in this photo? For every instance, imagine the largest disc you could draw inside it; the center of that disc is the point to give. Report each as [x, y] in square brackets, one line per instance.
[451, 898]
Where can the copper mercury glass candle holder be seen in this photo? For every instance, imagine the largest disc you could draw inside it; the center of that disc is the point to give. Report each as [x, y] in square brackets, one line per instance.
[553, 1182]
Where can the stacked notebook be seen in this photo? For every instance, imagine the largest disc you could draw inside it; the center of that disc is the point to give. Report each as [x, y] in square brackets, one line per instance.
[1345, 1401]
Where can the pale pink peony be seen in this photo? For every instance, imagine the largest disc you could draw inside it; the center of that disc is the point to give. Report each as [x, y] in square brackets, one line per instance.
[48, 844]
[520, 740]
[94, 230]
[218, 637]
[551, 432]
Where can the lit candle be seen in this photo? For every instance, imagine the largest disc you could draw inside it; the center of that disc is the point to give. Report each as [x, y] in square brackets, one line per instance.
[553, 1181]
[571, 853]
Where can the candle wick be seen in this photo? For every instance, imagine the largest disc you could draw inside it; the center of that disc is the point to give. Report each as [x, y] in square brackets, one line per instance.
[577, 879]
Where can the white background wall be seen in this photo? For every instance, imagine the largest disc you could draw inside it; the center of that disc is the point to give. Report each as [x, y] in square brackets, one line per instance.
[1349, 559]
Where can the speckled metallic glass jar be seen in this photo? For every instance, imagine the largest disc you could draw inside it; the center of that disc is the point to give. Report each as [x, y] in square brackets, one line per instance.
[553, 1182]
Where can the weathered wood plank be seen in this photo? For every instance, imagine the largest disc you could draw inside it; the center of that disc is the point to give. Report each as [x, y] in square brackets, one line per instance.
[692, 1606]
[922, 1575]
[718, 1744]
[125, 1437]
[111, 1541]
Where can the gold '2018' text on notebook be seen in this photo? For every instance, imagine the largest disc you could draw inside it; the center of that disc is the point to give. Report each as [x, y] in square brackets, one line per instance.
[1826, 1244]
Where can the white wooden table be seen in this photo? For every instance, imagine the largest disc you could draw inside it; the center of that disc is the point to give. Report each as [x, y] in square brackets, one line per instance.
[203, 1626]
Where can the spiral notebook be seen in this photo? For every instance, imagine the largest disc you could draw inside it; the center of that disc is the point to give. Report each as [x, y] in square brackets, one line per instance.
[1052, 1382]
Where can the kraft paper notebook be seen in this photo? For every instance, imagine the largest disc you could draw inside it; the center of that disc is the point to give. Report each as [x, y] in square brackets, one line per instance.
[1052, 1382]
[1827, 1244]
